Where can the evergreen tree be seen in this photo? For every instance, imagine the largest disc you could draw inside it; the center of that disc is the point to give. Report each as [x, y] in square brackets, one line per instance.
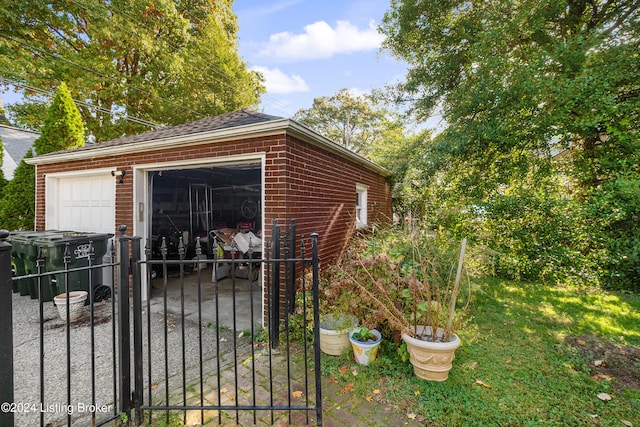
[17, 206]
[63, 128]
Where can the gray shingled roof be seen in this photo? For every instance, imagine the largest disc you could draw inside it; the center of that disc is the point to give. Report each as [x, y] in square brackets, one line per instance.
[245, 118]
[229, 120]
[16, 142]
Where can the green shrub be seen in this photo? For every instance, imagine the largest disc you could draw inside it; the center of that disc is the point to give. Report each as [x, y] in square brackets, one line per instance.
[17, 205]
[612, 242]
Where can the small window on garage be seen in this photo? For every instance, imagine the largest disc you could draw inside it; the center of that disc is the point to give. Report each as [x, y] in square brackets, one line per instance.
[361, 206]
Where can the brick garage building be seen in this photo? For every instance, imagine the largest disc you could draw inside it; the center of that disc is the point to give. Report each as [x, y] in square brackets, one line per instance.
[240, 167]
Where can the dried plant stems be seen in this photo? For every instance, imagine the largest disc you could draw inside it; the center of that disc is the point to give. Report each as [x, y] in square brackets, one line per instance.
[395, 316]
[456, 286]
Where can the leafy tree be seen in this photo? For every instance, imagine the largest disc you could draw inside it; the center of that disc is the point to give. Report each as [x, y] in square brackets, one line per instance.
[518, 81]
[3, 115]
[63, 128]
[510, 77]
[353, 121]
[159, 62]
[17, 206]
[362, 124]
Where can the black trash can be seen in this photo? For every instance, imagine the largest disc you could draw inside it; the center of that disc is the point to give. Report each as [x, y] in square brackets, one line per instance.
[53, 249]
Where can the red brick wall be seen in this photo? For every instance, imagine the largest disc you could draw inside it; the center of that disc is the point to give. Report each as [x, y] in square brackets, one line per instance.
[318, 190]
[302, 182]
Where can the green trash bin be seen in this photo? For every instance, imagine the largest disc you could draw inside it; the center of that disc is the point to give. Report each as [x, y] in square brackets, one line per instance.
[26, 260]
[53, 250]
[23, 258]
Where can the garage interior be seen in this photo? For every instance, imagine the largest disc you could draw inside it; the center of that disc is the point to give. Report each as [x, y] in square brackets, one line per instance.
[203, 202]
[191, 203]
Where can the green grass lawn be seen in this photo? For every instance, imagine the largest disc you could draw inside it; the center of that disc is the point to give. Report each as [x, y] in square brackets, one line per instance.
[531, 355]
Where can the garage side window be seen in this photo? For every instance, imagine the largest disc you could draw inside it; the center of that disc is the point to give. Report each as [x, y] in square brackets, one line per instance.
[361, 206]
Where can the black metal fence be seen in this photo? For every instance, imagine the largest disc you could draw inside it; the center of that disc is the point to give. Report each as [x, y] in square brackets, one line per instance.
[191, 344]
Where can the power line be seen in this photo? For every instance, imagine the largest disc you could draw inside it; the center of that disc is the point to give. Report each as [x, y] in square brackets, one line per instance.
[92, 71]
[210, 66]
[135, 21]
[51, 94]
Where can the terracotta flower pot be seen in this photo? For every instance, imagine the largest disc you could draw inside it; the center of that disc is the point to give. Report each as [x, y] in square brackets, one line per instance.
[431, 360]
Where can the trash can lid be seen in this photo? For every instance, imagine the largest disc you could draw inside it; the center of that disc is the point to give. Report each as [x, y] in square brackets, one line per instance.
[30, 236]
[65, 237]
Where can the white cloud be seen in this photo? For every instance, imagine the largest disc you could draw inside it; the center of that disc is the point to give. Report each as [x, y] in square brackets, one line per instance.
[279, 82]
[320, 40]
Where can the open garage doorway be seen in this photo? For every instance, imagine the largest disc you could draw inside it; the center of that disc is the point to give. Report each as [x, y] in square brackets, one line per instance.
[219, 206]
[191, 203]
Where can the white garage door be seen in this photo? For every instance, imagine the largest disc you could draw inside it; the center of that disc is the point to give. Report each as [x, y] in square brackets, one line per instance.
[81, 204]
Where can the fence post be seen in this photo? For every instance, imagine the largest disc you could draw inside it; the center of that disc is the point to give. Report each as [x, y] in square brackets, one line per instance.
[292, 266]
[137, 395]
[124, 334]
[6, 329]
[315, 262]
[274, 322]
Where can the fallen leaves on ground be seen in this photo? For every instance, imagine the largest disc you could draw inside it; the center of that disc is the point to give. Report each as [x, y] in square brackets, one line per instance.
[376, 391]
[627, 423]
[297, 394]
[601, 377]
[343, 369]
[600, 363]
[411, 416]
[368, 398]
[604, 396]
[474, 365]
[347, 388]
[483, 384]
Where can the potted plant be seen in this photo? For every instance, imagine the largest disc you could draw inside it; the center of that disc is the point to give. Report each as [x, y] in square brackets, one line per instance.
[413, 282]
[334, 332]
[365, 343]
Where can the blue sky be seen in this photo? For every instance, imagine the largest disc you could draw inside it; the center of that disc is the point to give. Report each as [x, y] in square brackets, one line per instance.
[310, 48]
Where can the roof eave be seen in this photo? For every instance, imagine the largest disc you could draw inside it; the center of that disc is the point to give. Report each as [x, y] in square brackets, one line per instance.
[286, 126]
[314, 138]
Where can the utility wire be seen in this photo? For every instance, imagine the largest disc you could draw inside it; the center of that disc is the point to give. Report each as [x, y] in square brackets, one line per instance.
[134, 20]
[51, 94]
[92, 71]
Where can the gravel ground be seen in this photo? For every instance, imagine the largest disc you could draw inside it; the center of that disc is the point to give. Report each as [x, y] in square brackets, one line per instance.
[27, 402]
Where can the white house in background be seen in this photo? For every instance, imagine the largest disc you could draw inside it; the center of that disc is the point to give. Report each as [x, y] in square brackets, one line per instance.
[15, 143]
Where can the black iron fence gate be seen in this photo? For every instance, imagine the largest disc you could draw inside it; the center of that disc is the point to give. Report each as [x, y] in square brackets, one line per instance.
[209, 340]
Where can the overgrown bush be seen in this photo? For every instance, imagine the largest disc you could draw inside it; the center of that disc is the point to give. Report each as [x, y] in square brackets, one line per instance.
[395, 280]
[533, 231]
[612, 237]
